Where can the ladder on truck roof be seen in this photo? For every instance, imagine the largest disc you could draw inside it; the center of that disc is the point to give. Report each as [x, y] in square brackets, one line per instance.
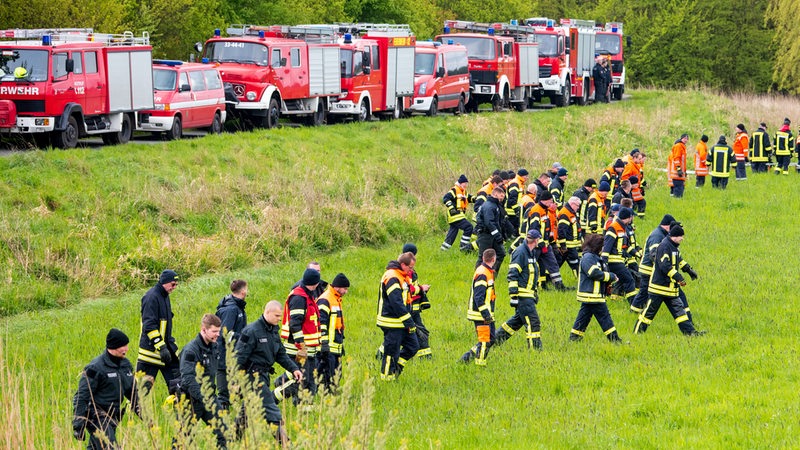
[377, 29]
[64, 35]
[308, 33]
[520, 33]
[578, 23]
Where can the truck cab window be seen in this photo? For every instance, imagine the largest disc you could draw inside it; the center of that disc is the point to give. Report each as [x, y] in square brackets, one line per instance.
[295, 54]
[78, 58]
[276, 57]
[59, 65]
[91, 62]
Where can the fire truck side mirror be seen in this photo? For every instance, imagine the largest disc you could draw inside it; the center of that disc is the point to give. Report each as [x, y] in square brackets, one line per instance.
[507, 49]
[366, 60]
[367, 70]
[70, 65]
[283, 62]
[198, 46]
[440, 72]
[184, 88]
[628, 41]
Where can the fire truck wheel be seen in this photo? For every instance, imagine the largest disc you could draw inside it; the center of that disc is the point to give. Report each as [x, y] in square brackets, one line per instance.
[617, 93]
[216, 125]
[500, 103]
[68, 137]
[122, 136]
[318, 118]
[461, 108]
[562, 99]
[584, 99]
[176, 131]
[273, 114]
[521, 106]
[365, 114]
[434, 110]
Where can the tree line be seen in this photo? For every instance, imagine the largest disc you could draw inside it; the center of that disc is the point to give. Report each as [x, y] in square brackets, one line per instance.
[731, 45]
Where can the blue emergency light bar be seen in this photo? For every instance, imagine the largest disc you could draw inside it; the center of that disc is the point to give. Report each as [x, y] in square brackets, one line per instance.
[446, 30]
[490, 31]
[46, 39]
[348, 38]
[167, 62]
[261, 34]
[217, 32]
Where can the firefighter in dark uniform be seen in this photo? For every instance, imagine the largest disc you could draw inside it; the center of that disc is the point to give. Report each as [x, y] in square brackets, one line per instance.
[104, 383]
[300, 333]
[418, 302]
[259, 347]
[596, 210]
[456, 201]
[486, 191]
[665, 284]
[481, 309]
[523, 276]
[784, 141]
[615, 252]
[557, 187]
[331, 322]
[593, 280]
[231, 310]
[612, 174]
[624, 191]
[157, 347]
[208, 352]
[719, 161]
[646, 262]
[583, 194]
[514, 191]
[399, 330]
[543, 184]
[760, 149]
[543, 220]
[489, 226]
[569, 234]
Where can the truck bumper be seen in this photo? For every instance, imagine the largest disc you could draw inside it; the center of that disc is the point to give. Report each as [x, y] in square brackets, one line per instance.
[32, 125]
[551, 84]
[344, 107]
[421, 104]
[484, 89]
[156, 123]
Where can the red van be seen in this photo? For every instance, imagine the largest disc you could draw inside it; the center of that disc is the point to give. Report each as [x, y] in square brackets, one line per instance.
[186, 95]
[441, 78]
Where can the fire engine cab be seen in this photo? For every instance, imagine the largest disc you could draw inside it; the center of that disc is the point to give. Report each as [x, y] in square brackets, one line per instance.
[274, 75]
[609, 43]
[63, 84]
[503, 62]
[442, 78]
[566, 58]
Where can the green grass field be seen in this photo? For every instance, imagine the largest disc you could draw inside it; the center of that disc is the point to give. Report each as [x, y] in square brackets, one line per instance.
[85, 232]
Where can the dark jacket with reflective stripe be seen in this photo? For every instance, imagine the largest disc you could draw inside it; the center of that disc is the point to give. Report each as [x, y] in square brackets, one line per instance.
[719, 161]
[231, 311]
[666, 276]
[482, 296]
[592, 279]
[156, 325]
[393, 292]
[102, 386]
[760, 146]
[650, 246]
[569, 235]
[489, 218]
[557, 189]
[212, 358]
[523, 272]
[582, 194]
[615, 243]
[259, 347]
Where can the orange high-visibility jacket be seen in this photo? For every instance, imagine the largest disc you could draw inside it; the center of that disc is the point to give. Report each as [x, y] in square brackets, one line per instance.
[700, 155]
[740, 146]
[677, 162]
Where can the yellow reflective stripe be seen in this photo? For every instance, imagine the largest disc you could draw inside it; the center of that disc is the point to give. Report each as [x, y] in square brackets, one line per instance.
[644, 319]
[574, 331]
[481, 283]
[153, 334]
[296, 312]
[483, 307]
[610, 330]
[508, 329]
[663, 290]
[163, 328]
[393, 288]
[145, 352]
[672, 272]
[298, 334]
[515, 266]
[681, 319]
[390, 322]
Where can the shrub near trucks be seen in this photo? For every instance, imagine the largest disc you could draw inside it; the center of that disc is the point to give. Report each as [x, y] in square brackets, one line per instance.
[63, 84]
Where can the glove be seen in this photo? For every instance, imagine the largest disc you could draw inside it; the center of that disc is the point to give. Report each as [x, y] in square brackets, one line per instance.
[692, 274]
[164, 353]
[453, 211]
[643, 183]
[680, 173]
[682, 283]
[613, 278]
[325, 348]
[487, 318]
[79, 429]
[412, 330]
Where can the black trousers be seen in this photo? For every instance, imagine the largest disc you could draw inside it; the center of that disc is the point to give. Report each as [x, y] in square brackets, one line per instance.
[741, 172]
[603, 316]
[548, 264]
[286, 386]
[171, 371]
[678, 187]
[783, 163]
[719, 182]
[107, 426]
[758, 167]
[676, 308]
[700, 181]
[625, 283]
[572, 259]
[486, 240]
[328, 369]
[422, 334]
[452, 233]
[399, 346]
[525, 315]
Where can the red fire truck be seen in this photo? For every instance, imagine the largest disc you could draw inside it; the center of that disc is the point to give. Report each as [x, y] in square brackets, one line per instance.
[609, 42]
[566, 58]
[273, 75]
[503, 62]
[69, 83]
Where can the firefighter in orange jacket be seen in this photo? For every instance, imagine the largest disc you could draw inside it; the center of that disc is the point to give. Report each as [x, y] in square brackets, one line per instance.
[676, 167]
[741, 145]
[543, 219]
[784, 142]
[569, 234]
[486, 191]
[331, 324]
[596, 209]
[700, 165]
[760, 149]
[456, 201]
[400, 342]
[635, 168]
[300, 332]
[481, 309]
[616, 248]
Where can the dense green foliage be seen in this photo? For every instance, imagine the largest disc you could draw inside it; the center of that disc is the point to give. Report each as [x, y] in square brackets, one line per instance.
[177, 203]
[676, 43]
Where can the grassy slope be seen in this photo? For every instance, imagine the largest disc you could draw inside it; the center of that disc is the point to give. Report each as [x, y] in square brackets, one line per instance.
[732, 388]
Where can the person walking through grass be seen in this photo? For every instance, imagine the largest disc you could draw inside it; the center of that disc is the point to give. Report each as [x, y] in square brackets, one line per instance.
[157, 347]
[481, 309]
[719, 161]
[594, 279]
[741, 145]
[700, 165]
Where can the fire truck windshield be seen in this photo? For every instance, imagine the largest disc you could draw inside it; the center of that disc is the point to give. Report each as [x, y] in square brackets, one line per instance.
[607, 44]
[548, 44]
[164, 80]
[477, 47]
[423, 63]
[237, 52]
[33, 61]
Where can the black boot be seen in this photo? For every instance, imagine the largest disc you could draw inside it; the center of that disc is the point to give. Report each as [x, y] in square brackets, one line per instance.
[559, 285]
[466, 357]
[500, 336]
[614, 337]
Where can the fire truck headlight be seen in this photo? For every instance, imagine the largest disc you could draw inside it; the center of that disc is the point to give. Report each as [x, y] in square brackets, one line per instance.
[423, 88]
[251, 96]
[159, 107]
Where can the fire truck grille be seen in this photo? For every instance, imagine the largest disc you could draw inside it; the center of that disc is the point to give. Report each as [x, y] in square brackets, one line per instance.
[484, 76]
[616, 66]
[238, 89]
[545, 71]
[29, 106]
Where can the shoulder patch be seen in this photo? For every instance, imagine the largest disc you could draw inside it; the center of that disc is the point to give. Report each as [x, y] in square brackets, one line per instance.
[91, 373]
[245, 338]
[191, 357]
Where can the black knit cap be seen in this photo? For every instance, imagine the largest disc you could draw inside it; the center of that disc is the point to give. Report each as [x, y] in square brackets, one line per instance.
[546, 196]
[590, 183]
[619, 164]
[116, 339]
[409, 247]
[462, 179]
[667, 220]
[340, 281]
[676, 230]
[522, 172]
[168, 276]
[310, 277]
